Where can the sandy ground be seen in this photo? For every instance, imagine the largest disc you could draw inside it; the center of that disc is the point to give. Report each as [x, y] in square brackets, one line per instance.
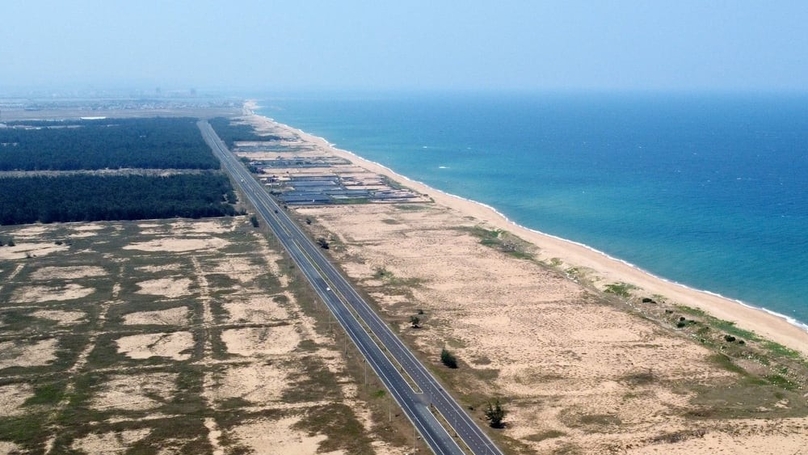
[67, 273]
[112, 442]
[252, 341]
[136, 392]
[174, 345]
[275, 436]
[27, 354]
[606, 270]
[22, 250]
[179, 245]
[12, 397]
[167, 287]
[62, 317]
[172, 316]
[577, 371]
[70, 291]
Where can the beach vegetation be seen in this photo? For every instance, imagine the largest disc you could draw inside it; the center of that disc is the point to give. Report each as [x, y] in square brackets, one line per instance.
[544, 435]
[620, 289]
[448, 359]
[502, 241]
[495, 414]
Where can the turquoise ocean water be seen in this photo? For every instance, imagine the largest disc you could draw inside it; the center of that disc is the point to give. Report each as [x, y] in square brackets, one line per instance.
[710, 191]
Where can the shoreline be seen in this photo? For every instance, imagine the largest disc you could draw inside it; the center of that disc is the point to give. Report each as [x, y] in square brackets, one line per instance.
[605, 268]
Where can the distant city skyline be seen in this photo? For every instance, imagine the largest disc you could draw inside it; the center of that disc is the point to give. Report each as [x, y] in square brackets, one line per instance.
[362, 45]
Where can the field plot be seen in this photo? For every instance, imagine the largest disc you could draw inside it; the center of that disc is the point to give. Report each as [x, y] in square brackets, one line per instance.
[163, 337]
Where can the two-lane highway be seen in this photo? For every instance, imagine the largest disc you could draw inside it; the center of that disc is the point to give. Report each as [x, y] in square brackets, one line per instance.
[357, 317]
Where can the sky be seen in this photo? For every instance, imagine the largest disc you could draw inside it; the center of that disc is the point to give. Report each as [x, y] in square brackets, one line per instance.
[266, 45]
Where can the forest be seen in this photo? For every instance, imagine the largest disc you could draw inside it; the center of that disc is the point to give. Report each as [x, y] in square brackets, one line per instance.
[85, 197]
[150, 143]
[231, 133]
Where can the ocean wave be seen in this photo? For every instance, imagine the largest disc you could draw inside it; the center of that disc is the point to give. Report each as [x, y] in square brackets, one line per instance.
[784, 317]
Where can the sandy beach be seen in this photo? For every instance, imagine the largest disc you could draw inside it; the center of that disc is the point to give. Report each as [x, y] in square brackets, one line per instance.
[580, 372]
[604, 269]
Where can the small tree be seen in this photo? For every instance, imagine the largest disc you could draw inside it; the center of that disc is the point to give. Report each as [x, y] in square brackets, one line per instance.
[415, 322]
[254, 221]
[494, 413]
[448, 358]
[323, 243]
[11, 242]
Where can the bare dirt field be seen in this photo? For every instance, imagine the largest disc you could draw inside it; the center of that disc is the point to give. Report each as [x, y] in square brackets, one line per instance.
[172, 337]
[580, 371]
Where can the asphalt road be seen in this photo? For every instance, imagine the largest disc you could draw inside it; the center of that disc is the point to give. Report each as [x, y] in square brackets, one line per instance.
[389, 357]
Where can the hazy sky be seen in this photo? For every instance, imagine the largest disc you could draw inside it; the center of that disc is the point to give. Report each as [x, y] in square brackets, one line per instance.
[409, 44]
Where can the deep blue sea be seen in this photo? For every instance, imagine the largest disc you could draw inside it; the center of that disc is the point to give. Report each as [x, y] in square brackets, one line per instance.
[706, 190]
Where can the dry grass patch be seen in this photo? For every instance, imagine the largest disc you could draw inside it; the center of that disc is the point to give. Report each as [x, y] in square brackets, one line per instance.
[258, 341]
[174, 345]
[25, 354]
[12, 397]
[167, 287]
[256, 309]
[62, 317]
[257, 383]
[171, 316]
[111, 442]
[23, 250]
[9, 448]
[179, 245]
[135, 391]
[67, 273]
[37, 294]
[278, 436]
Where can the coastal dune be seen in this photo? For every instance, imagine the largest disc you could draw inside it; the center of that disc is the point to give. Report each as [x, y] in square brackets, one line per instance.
[526, 316]
[603, 269]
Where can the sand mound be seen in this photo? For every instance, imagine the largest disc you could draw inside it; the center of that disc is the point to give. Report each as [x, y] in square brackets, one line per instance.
[112, 442]
[62, 317]
[167, 287]
[171, 316]
[258, 383]
[277, 436]
[67, 273]
[174, 345]
[261, 340]
[179, 245]
[136, 392]
[26, 250]
[257, 309]
[12, 397]
[36, 294]
[16, 354]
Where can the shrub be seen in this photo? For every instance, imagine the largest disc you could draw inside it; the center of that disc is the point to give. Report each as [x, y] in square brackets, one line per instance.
[448, 358]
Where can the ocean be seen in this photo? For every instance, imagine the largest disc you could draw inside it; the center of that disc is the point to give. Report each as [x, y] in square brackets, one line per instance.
[707, 190]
